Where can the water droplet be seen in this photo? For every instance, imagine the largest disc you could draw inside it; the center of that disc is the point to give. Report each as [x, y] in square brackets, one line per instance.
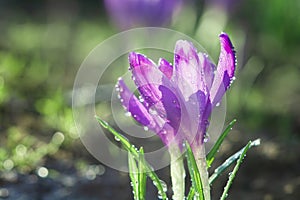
[164, 185]
[119, 96]
[163, 132]
[117, 139]
[206, 138]
[146, 128]
[104, 124]
[162, 115]
[233, 78]
[128, 114]
[206, 122]
[218, 104]
[152, 111]
[141, 99]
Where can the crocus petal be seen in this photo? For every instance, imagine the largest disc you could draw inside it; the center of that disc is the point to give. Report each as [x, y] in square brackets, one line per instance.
[131, 103]
[147, 77]
[225, 70]
[188, 73]
[172, 106]
[197, 114]
[148, 118]
[165, 67]
[208, 69]
[157, 92]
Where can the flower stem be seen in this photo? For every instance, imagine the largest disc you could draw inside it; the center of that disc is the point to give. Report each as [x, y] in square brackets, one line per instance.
[177, 172]
[202, 167]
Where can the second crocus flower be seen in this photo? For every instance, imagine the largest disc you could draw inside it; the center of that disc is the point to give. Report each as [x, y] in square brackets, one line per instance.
[138, 13]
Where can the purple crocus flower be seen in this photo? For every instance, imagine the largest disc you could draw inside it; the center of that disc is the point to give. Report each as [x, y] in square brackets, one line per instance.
[176, 102]
[133, 13]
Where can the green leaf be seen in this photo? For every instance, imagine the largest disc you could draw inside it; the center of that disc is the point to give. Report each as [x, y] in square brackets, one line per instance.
[211, 155]
[124, 141]
[191, 193]
[133, 174]
[194, 173]
[142, 175]
[218, 171]
[135, 153]
[235, 169]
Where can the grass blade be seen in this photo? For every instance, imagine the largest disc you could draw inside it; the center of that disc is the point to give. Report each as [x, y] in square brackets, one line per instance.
[211, 155]
[133, 174]
[135, 153]
[141, 175]
[191, 193]
[218, 171]
[235, 169]
[124, 141]
[194, 173]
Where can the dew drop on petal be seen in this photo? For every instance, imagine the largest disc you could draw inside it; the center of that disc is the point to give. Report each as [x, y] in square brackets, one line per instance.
[152, 111]
[141, 99]
[163, 132]
[206, 122]
[206, 138]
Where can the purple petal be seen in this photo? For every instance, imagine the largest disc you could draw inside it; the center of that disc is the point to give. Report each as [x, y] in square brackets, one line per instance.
[188, 72]
[171, 105]
[155, 88]
[208, 69]
[199, 113]
[225, 70]
[133, 13]
[133, 105]
[166, 68]
[147, 78]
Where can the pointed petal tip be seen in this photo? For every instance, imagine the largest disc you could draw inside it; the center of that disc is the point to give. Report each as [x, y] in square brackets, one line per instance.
[185, 45]
[225, 40]
[138, 59]
[227, 45]
[165, 67]
[133, 60]
[185, 51]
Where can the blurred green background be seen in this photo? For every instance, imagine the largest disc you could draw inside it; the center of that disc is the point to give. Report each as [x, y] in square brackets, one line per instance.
[42, 44]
